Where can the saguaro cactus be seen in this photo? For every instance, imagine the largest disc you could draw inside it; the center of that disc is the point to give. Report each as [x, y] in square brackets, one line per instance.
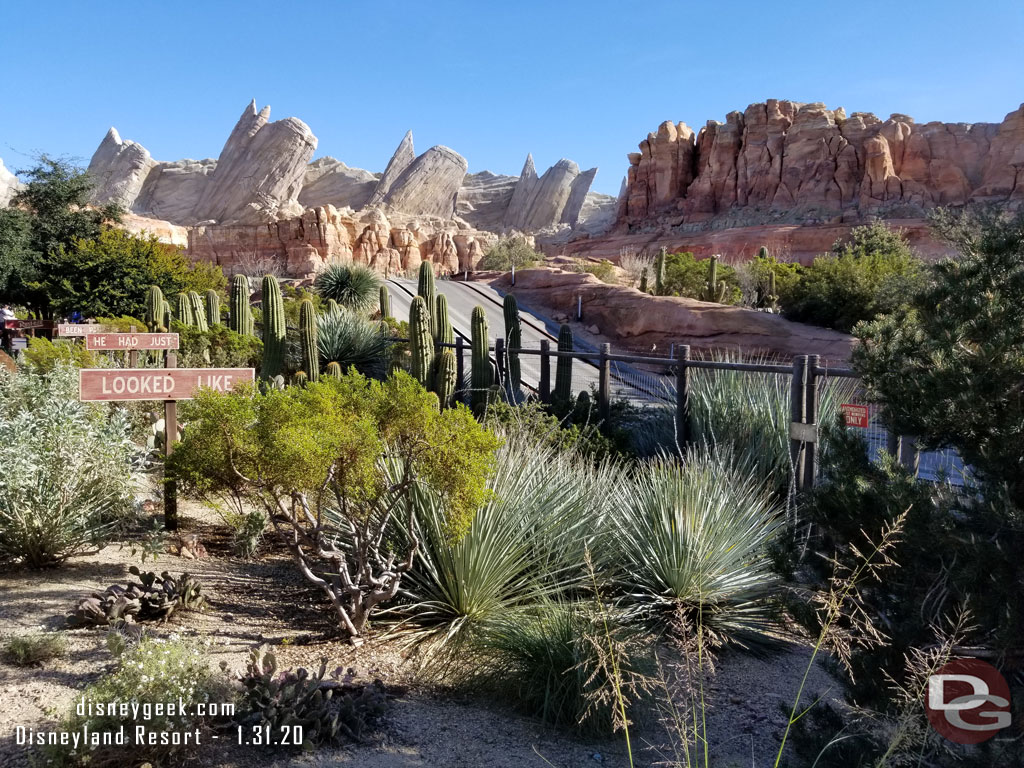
[198, 310]
[421, 343]
[445, 377]
[446, 334]
[480, 372]
[385, 302]
[155, 310]
[643, 280]
[308, 334]
[239, 311]
[769, 298]
[659, 272]
[563, 369]
[513, 340]
[166, 313]
[714, 290]
[273, 328]
[183, 310]
[300, 379]
[212, 307]
[334, 369]
[762, 252]
[333, 309]
[428, 291]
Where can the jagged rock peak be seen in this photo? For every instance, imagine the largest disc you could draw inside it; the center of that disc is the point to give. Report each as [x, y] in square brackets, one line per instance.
[400, 160]
[429, 186]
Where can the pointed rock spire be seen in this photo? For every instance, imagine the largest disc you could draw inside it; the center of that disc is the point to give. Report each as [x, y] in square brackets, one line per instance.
[400, 160]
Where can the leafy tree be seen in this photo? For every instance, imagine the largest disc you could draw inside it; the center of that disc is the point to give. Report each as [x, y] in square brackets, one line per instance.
[949, 366]
[870, 275]
[508, 252]
[110, 273]
[334, 465]
[55, 212]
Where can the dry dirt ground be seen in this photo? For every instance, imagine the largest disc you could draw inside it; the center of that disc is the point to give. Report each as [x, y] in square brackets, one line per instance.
[267, 601]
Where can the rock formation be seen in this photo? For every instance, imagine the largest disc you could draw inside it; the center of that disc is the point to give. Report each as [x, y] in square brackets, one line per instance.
[9, 185]
[783, 161]
[264, 175]
[429, 185]
[629, 317]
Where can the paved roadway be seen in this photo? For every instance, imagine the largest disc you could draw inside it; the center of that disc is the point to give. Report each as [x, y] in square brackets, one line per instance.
[462, 297]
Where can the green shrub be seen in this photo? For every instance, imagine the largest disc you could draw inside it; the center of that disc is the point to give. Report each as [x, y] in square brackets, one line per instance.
[355, 287]
[754, 278]
[690, 539]
[30, 650]
[603, 270]
[508, 252]
[687, 276]
[155, 671]
[122, 324]
[561, 663]
[353, 341]
[217, 347]
[43, 355]
[66, 481]
[872, 274]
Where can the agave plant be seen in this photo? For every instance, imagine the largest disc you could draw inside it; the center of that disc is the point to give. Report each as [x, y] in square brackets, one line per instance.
[525, 544]
[350, 340]
[690, 540]
[353, 286]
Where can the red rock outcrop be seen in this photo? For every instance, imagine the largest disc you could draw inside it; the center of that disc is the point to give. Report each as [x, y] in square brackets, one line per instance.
[787, 162]
[632, 318]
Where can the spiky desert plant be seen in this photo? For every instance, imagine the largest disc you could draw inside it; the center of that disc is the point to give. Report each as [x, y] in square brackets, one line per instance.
[239, 312]
[770, 297]
[659, 272]
[212, 307]
[513, 340]
[198, 309]
[445, 377]
[480, 363]
[762, 252]
[332, 308]
[714, 289]
[428, 290]
[350, 340]
[309, 340]
[273, 328]
[691, 540]
[300, 379]
[384, 299]
[183, 310]
[527, 542]
[353, 286]
[446, 334]
[643, 280]
[166, 313]
[563, 368]
[421, 343]
[334, 369]
[155, 310]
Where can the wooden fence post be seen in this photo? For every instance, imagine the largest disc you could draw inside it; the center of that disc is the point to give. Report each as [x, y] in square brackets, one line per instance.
[797, 398]
[133, 355]
[460, 370]
[811, 418]
[545, 371]
[604, 388]
[170, 435]
[683, 399]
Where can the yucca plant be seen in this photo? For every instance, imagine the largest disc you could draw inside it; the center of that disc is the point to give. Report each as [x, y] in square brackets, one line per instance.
[527, 542]
[355, 287]
[690, 538]
[350, 340]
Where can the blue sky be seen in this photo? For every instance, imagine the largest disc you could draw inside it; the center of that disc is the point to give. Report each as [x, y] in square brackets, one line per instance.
[492, 80]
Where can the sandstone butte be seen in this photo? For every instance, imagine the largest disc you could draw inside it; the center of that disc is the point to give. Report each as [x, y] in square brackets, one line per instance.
[635, 320]
[795, 177]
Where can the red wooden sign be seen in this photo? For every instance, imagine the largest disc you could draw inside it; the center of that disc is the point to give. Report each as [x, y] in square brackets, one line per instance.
[129, 341]
[855, 415]
[27, 325]
[157, 383]
[80, 329]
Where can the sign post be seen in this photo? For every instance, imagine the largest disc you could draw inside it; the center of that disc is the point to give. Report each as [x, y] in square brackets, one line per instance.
[855, 415]
[169, 384]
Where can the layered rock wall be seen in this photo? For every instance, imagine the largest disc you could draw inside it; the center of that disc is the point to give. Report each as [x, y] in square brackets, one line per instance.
[788, 162]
